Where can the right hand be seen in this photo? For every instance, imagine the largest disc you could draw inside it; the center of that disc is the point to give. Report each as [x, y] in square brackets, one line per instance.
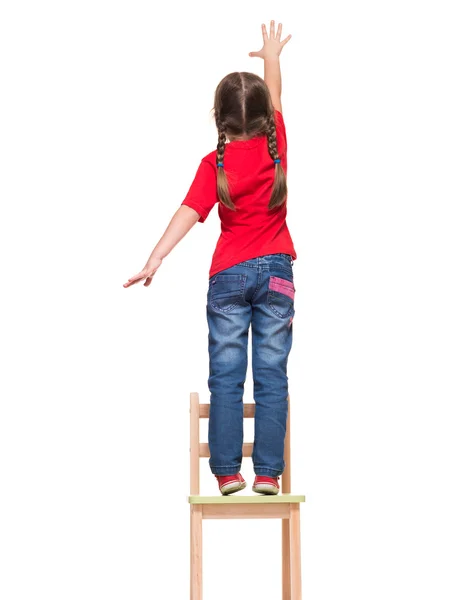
[272, 46]
[147, 273]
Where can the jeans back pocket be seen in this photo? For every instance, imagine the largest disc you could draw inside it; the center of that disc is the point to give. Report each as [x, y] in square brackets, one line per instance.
[281, 294]
[227, 291]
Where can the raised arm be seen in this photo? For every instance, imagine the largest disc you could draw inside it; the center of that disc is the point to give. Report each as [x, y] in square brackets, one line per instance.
[270, 53]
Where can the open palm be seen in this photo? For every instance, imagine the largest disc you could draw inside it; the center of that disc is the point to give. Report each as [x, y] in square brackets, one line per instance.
[272, 46]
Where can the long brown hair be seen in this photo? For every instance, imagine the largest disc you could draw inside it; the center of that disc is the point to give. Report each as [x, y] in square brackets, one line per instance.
[243, 106]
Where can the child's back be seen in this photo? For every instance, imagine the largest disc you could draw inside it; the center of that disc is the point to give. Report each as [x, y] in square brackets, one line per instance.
[252, 229]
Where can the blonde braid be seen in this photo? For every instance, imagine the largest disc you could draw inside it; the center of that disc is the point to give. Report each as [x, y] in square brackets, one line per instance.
[222, 181]
[272, 138]
[279, 187]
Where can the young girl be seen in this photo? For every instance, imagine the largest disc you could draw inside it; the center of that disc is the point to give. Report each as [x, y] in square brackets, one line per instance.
[251, 275]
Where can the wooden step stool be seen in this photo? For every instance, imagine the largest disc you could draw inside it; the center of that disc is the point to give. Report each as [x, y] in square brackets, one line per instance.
[283, 506]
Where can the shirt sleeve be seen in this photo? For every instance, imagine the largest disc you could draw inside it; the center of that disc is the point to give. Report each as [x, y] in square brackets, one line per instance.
[280, 132]
[202, 194]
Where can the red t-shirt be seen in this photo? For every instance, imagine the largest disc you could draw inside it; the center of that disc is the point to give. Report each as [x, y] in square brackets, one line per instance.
[252, 230]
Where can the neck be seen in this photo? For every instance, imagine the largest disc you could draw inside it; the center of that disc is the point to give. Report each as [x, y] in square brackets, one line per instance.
[239, 138]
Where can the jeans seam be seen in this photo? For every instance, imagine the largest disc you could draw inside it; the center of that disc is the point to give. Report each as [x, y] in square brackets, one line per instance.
[260, 276]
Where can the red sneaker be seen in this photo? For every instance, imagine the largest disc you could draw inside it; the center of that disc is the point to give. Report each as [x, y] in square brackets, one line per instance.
[266, 485]
[228, 484]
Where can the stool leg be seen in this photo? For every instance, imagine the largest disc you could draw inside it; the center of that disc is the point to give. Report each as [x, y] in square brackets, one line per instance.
[295, 549]
[286, 576]
[196, 552]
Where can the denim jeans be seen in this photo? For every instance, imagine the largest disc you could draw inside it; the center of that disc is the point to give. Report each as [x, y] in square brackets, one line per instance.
[258, 292]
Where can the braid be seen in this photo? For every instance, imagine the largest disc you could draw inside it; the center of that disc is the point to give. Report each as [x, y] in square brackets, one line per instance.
[279, 187]
[222, 181]
[272, 138]
[221, 141]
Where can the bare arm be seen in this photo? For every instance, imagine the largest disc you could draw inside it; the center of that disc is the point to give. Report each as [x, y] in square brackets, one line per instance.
[181, 223]
[270, 53]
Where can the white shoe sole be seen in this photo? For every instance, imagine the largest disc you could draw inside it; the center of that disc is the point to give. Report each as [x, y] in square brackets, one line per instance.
[265, 488]
[231, 488]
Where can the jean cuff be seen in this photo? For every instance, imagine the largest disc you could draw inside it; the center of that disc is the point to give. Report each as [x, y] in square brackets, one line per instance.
[234, 470]
[267, 472]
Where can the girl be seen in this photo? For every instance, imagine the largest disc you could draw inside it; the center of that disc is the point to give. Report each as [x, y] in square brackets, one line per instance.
[251, 275]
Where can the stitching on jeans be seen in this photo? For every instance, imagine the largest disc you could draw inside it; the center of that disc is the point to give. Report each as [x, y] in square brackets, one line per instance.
[240, 294]
[276, 312]
[272, 294]
[288, 270]
[260, 277]
[266, 468]
[282, 286]
[226, 467]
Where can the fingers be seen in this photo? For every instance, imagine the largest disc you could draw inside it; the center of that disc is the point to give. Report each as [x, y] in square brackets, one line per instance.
[132, 281]
[272, 35]
[272, 31]
[279, 32]
[254, 54]
[135, 279]
[264, 32]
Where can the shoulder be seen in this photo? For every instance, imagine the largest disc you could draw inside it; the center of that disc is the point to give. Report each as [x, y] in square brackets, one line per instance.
[207, 168]
[280, 131]
[210, 159]
[278, 117]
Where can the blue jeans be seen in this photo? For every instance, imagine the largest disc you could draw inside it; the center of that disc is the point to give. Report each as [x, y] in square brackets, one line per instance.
[257, 292]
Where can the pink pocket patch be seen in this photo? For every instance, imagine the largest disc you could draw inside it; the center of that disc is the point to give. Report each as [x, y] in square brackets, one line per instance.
[277, 284]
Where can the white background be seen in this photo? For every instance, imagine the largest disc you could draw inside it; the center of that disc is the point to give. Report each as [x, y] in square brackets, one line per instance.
[105, 115]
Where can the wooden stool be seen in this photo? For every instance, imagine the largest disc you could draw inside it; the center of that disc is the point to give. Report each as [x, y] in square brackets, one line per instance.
[283, 506]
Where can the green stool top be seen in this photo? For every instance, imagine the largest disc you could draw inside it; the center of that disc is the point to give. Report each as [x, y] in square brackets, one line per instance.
[246, 499]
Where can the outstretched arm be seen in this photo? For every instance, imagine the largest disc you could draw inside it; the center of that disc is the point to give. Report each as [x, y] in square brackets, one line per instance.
[270, 53]
[183, 220]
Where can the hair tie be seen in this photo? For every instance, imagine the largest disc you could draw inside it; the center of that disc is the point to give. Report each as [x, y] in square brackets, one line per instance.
[219, 164]
[277, 160]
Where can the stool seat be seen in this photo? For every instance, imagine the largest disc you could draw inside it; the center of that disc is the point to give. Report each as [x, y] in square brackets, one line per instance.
[246, 499]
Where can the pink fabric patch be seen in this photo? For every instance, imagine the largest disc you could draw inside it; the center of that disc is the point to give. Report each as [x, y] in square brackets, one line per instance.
[277, 284]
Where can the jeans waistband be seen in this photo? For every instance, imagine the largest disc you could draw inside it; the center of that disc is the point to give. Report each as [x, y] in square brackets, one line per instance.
[267, 258]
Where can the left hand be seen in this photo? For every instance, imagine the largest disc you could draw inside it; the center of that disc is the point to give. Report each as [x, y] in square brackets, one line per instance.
[147, 273]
